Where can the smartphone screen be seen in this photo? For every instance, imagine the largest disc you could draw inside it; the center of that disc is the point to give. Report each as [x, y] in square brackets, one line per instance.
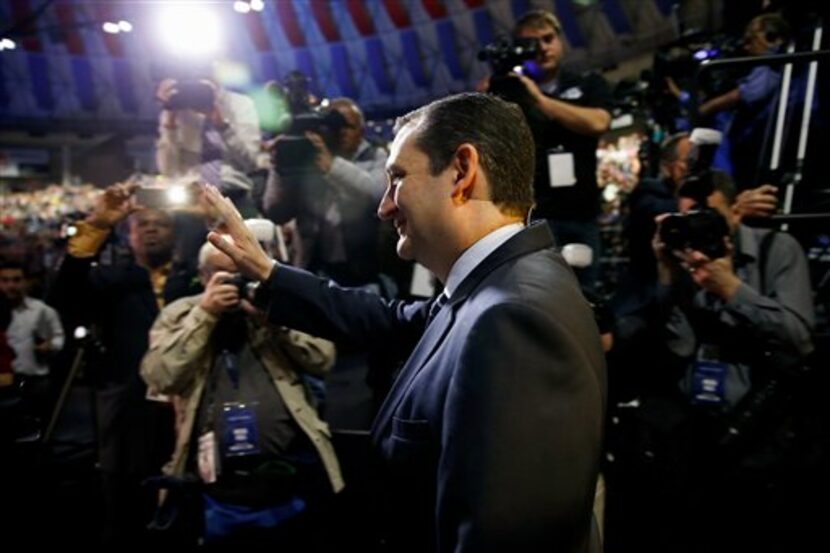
[171, 197]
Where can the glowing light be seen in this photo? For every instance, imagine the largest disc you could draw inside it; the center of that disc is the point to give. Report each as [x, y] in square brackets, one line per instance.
[610, 192]
[177, 195]
[232, 74]
[7, 44]
[125, 26]
[257, 5]
[190, 30]
[110, 27]
[241, 7]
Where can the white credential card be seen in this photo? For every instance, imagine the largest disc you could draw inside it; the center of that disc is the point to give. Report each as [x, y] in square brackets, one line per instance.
[561, 169]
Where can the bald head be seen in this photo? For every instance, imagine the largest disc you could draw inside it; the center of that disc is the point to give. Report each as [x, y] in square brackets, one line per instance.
[211, 260]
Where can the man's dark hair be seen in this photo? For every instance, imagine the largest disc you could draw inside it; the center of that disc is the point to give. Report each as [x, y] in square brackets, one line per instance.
[498, 131]
[12, 264]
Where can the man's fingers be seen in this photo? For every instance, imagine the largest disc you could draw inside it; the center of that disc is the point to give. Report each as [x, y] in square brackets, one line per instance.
[227, 212]
[223, 245]
[218, 277]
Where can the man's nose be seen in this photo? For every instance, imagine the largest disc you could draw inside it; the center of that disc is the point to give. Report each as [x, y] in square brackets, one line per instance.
[386, 207]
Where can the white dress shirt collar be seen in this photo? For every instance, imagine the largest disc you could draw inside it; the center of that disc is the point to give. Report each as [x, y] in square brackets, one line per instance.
[477, 253]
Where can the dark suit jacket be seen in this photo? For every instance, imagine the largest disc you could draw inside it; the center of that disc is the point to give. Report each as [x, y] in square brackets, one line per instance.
[490, 437]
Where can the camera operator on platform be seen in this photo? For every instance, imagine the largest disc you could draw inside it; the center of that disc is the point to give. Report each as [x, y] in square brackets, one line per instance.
[334, 200]
[567, 113]
[211, 134]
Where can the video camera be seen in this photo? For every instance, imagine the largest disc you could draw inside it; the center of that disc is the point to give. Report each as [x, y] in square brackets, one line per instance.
[293, 152]
[680, 61]
[190, 94]
[702, 229]
[507, 56]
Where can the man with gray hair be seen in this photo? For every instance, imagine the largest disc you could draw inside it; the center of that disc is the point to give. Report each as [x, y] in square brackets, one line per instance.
[243, 406]
[490, 437]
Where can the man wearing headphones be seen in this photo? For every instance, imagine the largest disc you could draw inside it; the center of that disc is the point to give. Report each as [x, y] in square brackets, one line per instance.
[752, 99]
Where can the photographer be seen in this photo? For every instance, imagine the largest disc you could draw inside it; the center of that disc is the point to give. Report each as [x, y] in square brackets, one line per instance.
[753, 101]
[736, 318]
[242, 394]
[210, 133]
[567, 113]
[334, 199]
[121, 295]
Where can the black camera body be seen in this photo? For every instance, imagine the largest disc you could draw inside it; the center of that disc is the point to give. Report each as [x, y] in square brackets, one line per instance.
[702, 230]
[293, 152]
[195, 95]
[242, 283]
[504, 56]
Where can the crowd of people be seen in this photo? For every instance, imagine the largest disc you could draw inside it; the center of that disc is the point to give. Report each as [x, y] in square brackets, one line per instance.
[218, 313]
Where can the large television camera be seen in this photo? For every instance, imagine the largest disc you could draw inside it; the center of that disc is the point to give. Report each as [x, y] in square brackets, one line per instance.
[293, 152]
[702, 229]
[681, 59]
[507, 56]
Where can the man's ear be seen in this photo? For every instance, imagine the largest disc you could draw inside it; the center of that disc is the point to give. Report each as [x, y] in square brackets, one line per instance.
[465, 163]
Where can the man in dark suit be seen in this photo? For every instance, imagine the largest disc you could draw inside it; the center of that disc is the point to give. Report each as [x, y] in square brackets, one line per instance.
[490, 437]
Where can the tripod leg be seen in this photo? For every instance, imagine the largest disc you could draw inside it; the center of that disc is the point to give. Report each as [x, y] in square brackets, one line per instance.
[77, 363]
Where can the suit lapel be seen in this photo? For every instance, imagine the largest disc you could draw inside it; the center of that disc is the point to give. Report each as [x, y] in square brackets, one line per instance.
[536, 237]
[431, 339]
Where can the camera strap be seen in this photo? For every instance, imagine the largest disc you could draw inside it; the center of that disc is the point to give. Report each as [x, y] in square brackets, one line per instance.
[763, 255]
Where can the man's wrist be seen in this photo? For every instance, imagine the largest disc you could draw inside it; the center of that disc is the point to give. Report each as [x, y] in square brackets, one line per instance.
[265, 271]
[98, 223]
[730, 288]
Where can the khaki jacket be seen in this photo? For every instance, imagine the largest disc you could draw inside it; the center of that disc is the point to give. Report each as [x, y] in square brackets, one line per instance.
[180, 358]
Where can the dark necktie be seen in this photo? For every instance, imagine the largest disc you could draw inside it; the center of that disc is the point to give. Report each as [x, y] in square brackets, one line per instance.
[436, 306]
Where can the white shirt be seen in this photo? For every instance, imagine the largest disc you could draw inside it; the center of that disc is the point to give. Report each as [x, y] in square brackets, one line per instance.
[477, 253]
[32, 317]
[179, 149]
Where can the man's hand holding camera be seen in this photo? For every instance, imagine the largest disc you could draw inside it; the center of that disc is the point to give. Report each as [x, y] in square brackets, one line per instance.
[532, 88]
[166, 94]
[221, 294]
[713, 275]
[324, 157]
